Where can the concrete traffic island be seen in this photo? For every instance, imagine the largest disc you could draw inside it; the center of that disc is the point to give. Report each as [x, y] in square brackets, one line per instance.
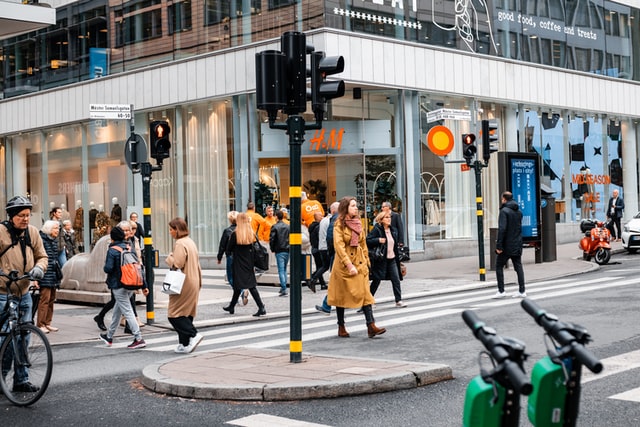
[249, 374]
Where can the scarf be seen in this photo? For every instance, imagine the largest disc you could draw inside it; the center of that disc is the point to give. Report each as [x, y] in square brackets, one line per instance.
[355, 225]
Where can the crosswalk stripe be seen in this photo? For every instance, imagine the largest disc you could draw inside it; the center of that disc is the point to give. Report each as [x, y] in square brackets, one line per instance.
[260, 420]
[275, 332]
[630, 395]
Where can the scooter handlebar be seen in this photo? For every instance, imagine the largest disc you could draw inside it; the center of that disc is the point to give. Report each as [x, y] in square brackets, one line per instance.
[553, 327]
[496, 346]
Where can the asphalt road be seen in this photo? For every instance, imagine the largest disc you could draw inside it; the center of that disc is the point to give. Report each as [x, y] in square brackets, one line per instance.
[93, 385]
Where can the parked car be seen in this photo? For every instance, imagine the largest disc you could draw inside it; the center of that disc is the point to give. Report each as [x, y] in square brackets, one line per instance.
[631, 234]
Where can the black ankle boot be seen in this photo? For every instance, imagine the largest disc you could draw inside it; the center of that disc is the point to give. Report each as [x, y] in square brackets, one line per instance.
[100, 322]
[261, 312]
[230, 308]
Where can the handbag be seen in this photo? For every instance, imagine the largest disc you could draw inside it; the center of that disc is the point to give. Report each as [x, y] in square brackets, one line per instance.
[403, 254]
[173, 281]
[380, 253]
[260, 256]
[58, 270]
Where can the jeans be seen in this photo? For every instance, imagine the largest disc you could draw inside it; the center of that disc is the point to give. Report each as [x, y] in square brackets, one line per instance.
[123, 307]
[26, 315]
[229, 266]
[501, 261]
[282, 258]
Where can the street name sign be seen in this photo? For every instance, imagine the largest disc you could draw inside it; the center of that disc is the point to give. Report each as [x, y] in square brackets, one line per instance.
[110, 111]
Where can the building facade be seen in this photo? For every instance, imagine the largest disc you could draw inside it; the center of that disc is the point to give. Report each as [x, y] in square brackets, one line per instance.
[559, 77]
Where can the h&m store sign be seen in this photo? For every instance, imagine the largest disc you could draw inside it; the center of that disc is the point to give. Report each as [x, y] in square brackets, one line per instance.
[335, 137]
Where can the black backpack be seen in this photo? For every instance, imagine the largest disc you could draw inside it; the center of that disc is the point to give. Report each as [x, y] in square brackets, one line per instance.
[15, 240]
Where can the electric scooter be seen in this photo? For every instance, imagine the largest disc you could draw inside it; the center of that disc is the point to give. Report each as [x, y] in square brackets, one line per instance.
[492, 398]
[555, 400]
[596, 242]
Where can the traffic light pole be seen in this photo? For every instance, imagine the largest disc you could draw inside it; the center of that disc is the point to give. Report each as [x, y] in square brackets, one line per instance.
[477, 166]
[146, 170]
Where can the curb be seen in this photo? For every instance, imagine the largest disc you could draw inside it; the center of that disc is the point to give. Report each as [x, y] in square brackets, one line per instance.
[314, 378]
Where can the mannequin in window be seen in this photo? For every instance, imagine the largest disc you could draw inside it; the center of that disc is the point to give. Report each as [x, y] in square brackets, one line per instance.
[116, 212]
[103, 225]
[93, 212]
[78, 225]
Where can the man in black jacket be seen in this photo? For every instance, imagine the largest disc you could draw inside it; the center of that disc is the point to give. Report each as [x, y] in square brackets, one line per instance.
[279, 245]
[509, 244]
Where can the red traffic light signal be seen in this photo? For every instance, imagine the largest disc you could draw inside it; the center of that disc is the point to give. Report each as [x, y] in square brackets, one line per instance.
[159, 140]
[469, 148]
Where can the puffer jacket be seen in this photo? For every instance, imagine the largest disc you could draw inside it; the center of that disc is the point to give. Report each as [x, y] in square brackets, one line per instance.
[112, 265]
[51, 246]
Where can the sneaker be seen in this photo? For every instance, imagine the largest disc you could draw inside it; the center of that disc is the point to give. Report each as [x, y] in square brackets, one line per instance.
[108, 341]
[283, 294]
[137, 344]
[193, 343]
[322, 309]
[25, 388]
[499, 295]
[519, 295]
[180, 349]
[401, 304]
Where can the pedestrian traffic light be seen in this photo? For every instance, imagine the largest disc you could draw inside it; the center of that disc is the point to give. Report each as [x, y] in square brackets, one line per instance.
[321, 89]
[469, 147]
[159, 136]
[489, 139]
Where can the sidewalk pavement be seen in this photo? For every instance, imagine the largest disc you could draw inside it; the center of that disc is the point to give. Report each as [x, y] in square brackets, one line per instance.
[250, 374]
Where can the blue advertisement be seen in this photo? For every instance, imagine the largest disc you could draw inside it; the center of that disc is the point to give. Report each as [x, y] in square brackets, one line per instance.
[98, 62]
[524, 186]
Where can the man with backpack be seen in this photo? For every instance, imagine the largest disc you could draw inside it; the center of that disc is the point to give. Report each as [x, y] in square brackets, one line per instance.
[121, 294]
[21, 249]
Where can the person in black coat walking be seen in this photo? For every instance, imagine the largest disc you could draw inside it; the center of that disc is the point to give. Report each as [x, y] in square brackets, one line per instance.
[385, 237]
[509, 244]
[240, 244]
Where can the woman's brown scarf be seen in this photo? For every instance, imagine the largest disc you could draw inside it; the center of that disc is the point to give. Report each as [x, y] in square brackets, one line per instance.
[355, 225]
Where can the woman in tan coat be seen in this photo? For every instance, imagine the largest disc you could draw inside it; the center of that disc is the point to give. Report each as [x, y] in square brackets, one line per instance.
[349, 280]
[182, 307]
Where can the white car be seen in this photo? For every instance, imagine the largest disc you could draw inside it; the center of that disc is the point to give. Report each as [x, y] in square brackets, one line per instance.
[631, 234]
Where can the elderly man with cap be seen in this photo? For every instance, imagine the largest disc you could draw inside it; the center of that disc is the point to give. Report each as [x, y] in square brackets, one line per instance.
[21, 249]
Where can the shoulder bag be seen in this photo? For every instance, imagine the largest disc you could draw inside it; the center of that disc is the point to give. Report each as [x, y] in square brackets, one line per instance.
[260, 256]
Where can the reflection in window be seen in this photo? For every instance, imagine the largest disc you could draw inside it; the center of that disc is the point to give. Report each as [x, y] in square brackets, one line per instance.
[274, 4]
[138, 27]
[179, 16]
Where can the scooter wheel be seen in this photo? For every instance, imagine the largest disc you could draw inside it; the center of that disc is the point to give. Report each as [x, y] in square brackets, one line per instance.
[602, 256]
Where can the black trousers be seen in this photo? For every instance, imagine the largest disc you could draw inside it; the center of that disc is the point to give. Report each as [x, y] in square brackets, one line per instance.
[322, 265]
[184, 327]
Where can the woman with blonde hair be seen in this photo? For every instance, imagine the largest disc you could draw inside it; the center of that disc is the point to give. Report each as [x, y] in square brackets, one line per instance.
[349, 280]
[240, 246]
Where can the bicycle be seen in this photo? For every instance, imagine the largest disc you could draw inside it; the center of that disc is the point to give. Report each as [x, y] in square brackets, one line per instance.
[492, 398]
[24, 347]
[556, 377]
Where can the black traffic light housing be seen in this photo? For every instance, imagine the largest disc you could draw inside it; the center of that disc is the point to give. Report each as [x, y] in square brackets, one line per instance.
[469, 148]
[271, 85]
[489, 137]
[159, 131]
[321, 89]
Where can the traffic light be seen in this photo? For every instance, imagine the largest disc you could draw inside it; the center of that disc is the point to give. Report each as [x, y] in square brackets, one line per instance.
[321, 89]
[469, 147]
[294, 47]
[159, 136]
[489, 137]
[271, 90]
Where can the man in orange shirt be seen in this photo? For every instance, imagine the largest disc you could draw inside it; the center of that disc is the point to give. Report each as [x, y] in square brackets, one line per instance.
[308, 209]
[255, 219]
[265, 231]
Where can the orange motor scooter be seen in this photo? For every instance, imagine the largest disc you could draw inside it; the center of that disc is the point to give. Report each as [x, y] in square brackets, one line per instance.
[596, 242]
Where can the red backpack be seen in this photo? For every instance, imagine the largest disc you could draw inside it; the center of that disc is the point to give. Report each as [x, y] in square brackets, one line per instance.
[130, 269]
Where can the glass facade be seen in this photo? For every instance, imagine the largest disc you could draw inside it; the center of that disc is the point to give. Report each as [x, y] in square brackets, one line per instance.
[99, 37]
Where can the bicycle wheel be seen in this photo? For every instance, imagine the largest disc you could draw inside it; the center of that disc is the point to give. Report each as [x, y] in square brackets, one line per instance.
[26, 352]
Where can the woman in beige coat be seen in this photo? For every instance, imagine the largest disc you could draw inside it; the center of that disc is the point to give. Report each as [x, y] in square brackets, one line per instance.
[182, 307]
[349, 280]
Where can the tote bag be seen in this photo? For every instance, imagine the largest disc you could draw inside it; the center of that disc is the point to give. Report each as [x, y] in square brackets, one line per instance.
[173, 282]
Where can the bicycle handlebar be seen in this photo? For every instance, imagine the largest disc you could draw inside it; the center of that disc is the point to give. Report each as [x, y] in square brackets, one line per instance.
[560, 331]
[499, 348]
